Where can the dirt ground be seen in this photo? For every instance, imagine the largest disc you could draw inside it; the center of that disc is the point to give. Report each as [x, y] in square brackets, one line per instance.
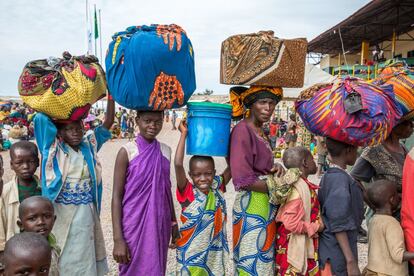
[107, 156]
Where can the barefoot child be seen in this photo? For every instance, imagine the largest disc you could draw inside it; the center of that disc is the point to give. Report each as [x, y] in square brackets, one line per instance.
[342, 211]
[143, 215]
[24, 161]
[298, 219]
[72, 180]
[204, 215]
[36, 214]
[386, 249]
[27, 254]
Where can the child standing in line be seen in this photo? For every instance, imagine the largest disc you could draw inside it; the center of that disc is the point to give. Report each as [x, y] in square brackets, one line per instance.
[386, 249]
[143, 215]
[27, 254]
[24, 161]
[342, 211]
[72, 180]
[36, 214]
[298, 218]
[204, 215]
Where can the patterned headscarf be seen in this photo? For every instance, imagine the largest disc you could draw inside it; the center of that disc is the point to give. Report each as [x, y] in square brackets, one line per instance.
[243, 97]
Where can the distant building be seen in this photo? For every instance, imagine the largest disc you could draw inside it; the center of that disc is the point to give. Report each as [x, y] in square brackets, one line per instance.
[382, 27]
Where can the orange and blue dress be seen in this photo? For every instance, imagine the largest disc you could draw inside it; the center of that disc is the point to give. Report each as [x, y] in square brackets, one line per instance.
[202, 248]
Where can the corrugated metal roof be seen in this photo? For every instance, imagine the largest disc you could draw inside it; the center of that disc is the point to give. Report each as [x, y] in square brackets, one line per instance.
[375, 22]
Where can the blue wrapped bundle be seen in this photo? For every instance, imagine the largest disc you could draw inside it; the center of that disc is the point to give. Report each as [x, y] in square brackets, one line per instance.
[151, 67]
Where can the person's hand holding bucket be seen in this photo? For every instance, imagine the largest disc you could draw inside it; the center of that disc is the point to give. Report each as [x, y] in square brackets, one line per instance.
[183, 128]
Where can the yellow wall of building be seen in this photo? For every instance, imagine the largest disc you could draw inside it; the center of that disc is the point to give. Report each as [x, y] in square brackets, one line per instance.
[333, 61]
[325, 61]
[402, 47]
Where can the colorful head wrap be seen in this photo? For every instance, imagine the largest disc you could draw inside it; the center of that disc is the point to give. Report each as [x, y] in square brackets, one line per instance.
[242, 97]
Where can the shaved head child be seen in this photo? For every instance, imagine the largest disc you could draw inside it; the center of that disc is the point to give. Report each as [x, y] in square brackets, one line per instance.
[27, 254]
[24, 161]
[36, 214]
[298, 217]
[386, 252]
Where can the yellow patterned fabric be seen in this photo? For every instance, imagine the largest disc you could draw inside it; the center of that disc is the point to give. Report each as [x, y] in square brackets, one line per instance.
[64, 89]
[241, 97]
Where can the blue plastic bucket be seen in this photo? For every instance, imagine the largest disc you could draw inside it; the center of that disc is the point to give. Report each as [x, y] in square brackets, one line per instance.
[208, 128]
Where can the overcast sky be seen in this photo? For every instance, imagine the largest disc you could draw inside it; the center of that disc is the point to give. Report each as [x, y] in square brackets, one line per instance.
[38, 29]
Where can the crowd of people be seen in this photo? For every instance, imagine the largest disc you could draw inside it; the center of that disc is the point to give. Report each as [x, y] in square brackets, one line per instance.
[16, 122]
[283, 224]
[316, 227]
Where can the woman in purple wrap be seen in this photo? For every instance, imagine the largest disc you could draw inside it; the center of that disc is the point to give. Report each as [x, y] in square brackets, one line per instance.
[143, 215]
[251, 163]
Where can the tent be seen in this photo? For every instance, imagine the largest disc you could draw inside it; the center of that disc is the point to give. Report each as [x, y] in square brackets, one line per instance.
[313, 75]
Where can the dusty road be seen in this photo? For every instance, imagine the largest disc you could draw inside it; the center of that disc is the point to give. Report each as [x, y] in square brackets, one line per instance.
[108, 155]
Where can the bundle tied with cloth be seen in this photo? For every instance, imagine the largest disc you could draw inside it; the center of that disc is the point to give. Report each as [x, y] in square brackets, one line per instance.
[401, 78]
[349, 110]
[263, 59]
[151, 67]
[263, 62]
[63, 88]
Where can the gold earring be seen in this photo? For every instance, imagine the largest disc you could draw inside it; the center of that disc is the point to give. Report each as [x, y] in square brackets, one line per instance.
[247, 113]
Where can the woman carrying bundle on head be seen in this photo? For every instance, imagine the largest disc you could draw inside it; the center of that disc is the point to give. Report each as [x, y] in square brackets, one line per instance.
[384, 161]
[251, 160]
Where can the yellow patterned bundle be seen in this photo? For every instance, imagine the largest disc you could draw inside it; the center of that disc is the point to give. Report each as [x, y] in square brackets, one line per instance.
[64, 89]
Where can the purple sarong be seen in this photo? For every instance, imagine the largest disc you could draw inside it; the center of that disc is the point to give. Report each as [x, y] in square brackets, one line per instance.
[146, 207]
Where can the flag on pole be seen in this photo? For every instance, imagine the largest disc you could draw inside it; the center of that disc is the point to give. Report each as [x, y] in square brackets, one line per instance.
[100, 31]
[96, 25]
[88, 31]
[95, 30]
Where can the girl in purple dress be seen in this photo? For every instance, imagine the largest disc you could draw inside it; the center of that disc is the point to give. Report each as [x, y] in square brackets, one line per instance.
[143, 215]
